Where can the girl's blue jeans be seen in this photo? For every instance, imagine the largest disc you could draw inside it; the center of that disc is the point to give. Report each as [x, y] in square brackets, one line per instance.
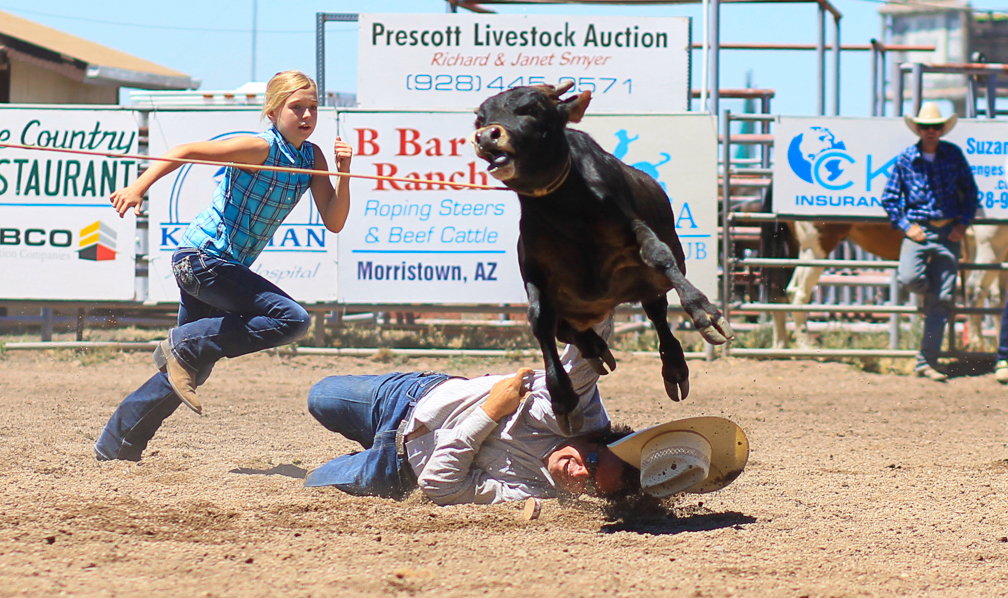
[368, 410]
[226, 310]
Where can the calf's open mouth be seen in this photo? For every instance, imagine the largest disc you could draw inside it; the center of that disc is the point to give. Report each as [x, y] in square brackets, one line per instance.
[500, 164]
[498, 160]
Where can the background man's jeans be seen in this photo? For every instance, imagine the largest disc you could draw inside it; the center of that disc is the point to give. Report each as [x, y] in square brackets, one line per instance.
[930, 269]
[368, 410]
[226, 310]
[1002, 350]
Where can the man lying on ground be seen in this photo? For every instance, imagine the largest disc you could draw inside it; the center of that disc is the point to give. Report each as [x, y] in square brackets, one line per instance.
[486, 440]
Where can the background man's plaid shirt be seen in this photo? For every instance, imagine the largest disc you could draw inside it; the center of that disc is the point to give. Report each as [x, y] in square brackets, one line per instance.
[918, 190]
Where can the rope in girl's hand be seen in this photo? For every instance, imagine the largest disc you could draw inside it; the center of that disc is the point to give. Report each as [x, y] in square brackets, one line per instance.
[376, 177]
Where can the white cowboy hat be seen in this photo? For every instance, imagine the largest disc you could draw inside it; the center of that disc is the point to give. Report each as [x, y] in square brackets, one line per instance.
[696, 455]
[930, 114]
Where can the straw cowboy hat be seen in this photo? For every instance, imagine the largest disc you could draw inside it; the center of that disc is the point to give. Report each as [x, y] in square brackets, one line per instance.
[696, 455]
[930, 114]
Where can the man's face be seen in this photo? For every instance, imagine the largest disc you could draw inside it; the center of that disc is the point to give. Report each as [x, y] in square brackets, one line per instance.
[929, 134]
[569, 465]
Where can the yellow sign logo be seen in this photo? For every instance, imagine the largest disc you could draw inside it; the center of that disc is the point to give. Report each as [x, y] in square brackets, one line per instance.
[97, 242]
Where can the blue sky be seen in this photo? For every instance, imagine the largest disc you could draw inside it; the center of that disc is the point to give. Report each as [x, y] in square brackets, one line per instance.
[211, 39]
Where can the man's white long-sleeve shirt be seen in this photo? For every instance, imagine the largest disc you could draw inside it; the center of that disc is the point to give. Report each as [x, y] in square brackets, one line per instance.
[469, 458]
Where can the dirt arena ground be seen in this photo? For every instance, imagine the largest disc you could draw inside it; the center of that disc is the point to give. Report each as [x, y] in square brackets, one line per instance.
[858, 485]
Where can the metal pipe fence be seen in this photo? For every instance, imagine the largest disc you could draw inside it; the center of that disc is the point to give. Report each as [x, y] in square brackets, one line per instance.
[839, 293]
[861, 295]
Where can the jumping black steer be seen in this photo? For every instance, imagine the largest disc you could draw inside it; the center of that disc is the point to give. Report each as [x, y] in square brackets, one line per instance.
[594, 233]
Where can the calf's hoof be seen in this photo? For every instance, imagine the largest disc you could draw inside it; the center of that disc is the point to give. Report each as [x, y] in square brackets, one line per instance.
[718, 332]
[598, 364]
[677, 390]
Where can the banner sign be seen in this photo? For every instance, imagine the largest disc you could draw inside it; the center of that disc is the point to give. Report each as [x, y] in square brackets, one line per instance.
[301, 257]
[839, 166]
[438, 243]
[455, 61]
[60, 238]
[404, 242]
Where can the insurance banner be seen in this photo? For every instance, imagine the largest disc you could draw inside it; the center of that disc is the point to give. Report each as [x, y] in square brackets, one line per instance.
[838, 167]
[437, 242]
[301, 256]
[455, 61]
[59, 236]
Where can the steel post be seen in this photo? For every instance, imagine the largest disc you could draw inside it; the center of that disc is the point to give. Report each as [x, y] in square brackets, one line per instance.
[971, 96]
[321, 18]
[320, 328]
[47, 324]
[874, 78]
[714, 76]
[894, 319]
[821, 63]
[897, 83]
[726, 257]
[836, 66]
[141, 267]
[255, 20]
[992, 95]
[320, 21]
[765, 129]
[951, 324]
[882, 82]
[917, 93]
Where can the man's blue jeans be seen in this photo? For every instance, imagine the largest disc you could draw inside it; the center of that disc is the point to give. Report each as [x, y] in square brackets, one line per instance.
[368, 410]
[930, 269]
[226, 310]
[1002, 350]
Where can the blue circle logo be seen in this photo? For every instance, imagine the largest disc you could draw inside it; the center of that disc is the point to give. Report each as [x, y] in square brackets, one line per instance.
[817, 157]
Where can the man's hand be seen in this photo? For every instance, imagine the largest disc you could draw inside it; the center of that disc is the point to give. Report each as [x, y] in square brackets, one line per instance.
[506, 395]
[957, 234]
[916, 233]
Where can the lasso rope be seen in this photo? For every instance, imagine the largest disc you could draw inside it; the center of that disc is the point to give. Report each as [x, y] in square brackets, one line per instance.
[141, 157]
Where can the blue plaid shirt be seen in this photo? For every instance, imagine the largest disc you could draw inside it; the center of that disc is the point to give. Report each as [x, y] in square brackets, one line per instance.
[249, 206]
[918, 190]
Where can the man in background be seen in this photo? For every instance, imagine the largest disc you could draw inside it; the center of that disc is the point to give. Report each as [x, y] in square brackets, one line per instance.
[931, 196]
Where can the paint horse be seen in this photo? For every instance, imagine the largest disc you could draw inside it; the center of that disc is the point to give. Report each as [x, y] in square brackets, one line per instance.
[986, 244]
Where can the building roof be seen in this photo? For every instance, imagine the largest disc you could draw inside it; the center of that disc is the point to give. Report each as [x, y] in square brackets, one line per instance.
[475, 5]
[83, 60]
[920, 7]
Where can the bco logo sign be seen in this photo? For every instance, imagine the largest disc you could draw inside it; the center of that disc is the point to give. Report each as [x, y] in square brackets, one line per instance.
[36, 237]
[97, 240]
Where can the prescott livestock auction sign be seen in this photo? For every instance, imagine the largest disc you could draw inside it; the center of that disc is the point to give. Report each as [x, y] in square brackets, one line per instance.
[301, 257]
[455, 61]
[436, 242]
[59, 236]
[839, 166]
